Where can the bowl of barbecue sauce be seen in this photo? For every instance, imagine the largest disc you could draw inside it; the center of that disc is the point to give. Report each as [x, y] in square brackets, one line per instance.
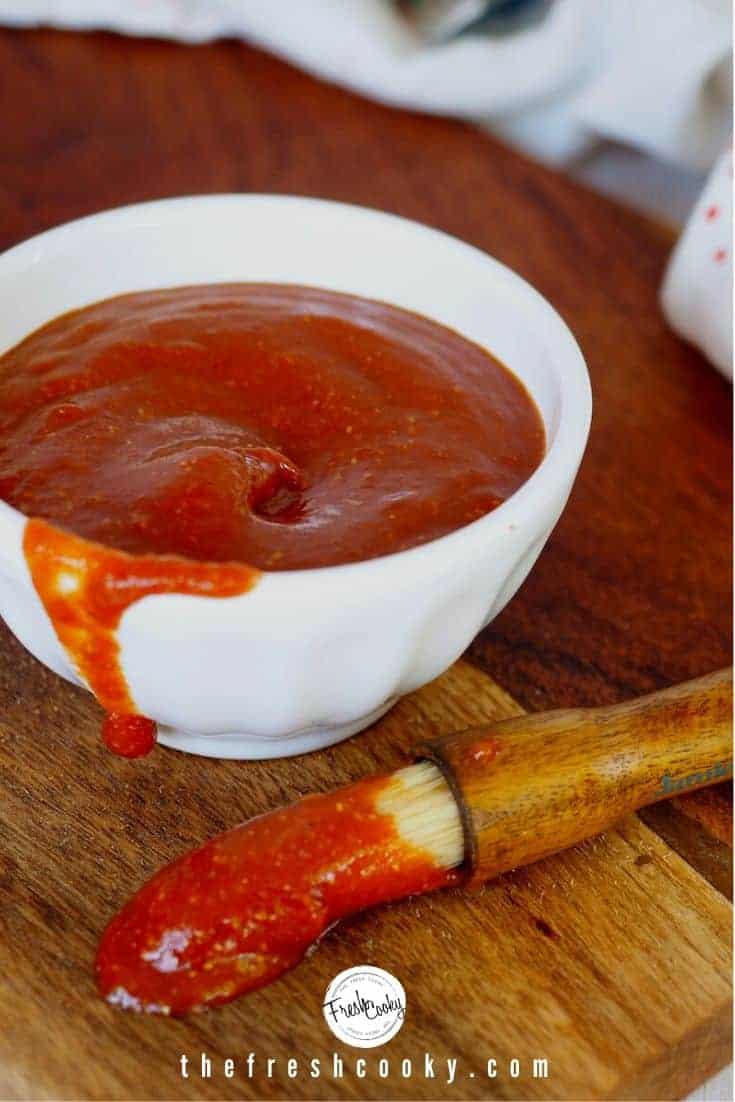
[268, 463]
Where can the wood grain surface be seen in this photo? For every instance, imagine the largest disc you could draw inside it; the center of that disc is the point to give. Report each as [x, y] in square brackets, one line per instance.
[615, 953]
[612, 961]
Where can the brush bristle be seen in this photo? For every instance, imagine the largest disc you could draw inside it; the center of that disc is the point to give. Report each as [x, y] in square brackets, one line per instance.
[425, 812]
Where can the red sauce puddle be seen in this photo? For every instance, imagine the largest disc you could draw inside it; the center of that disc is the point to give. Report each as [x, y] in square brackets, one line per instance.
[85, 589]
[235, 914]
[280, 426]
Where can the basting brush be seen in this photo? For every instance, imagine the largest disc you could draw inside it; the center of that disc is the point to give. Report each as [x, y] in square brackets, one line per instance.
[236, 913]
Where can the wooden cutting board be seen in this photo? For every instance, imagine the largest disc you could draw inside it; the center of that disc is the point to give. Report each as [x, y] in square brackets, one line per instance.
[611, 961]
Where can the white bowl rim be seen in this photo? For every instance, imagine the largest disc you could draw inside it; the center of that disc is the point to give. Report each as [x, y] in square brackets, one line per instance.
[562, 457]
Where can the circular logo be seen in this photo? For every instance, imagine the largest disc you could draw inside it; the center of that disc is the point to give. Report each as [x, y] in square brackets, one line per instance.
[365, 1006]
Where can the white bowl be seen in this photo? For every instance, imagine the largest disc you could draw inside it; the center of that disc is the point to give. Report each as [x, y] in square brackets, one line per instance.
[306, 657]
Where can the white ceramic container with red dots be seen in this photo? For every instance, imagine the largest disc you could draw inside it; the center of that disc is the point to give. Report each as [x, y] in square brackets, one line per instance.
[697, 291]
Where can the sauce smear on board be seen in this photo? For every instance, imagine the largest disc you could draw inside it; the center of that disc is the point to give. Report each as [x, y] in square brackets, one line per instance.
[179, 441]
[235, 914]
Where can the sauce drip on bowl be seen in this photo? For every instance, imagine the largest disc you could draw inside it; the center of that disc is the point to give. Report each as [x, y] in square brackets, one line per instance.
[85, 589]
[129, 736]
[235, 914]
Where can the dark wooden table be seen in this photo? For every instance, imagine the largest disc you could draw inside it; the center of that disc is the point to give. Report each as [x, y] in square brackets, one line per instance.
[633, 591]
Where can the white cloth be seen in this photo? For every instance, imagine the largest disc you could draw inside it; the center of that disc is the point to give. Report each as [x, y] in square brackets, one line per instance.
[697, 290]
[654, 74]
[639, 71]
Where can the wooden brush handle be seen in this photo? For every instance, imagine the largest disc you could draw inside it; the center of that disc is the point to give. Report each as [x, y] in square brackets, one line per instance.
[531, 786]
